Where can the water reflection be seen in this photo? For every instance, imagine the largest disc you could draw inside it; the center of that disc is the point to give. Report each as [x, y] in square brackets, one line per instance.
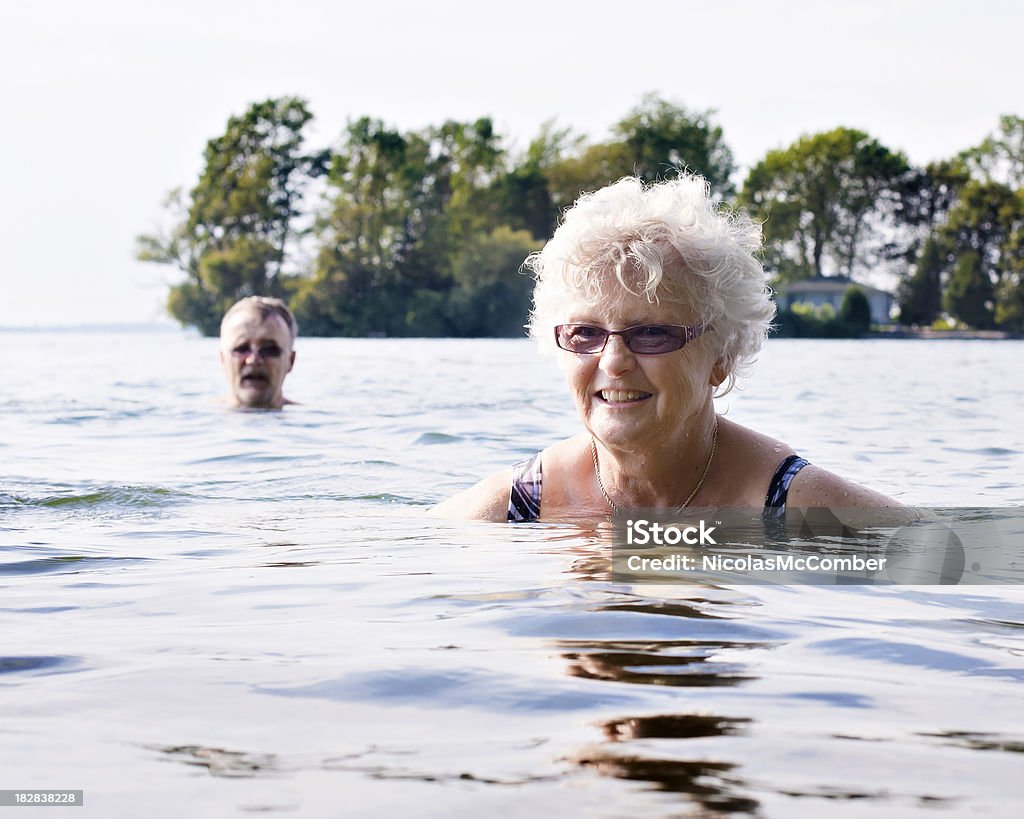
[978, 741]
[714, 785]
[219, 761]
[682, 663]
[658, 748]
[674, 726]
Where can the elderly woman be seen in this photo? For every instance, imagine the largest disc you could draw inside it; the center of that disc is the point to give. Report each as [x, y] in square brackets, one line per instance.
[654, 300]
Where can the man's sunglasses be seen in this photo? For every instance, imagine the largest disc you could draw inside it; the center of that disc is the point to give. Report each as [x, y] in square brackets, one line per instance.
[263, 351]
[644, 339]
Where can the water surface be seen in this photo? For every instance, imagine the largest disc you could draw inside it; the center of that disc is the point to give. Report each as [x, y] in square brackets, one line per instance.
[216, 613]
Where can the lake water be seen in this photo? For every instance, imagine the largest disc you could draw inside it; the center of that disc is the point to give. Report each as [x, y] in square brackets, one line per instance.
[217, 613]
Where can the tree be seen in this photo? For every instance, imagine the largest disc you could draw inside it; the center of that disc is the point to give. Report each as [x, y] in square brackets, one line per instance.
[524, 193]
[920, 296]
[855, 310]
[985, 234]
[927, 198]
[969, 296]
[491, 297]
[365, 230]
[1000, 157]
[589, 169]
[655, 140]
[233, 236]
[832, 203]
[662, 138]
[400, 206]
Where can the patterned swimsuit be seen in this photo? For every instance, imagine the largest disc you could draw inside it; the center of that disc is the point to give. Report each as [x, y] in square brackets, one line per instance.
[524, 496]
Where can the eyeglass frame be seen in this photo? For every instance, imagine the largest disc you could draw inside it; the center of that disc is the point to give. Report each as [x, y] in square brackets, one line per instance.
[264, 351]
[690, 333]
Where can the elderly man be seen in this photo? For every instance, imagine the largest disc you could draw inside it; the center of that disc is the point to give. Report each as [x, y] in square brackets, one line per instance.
[256, 339]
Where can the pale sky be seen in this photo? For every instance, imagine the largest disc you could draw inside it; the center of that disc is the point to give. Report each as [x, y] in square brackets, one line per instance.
[108, 104]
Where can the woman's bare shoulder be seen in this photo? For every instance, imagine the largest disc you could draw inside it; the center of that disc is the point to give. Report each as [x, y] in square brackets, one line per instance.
[816, 487]
[487, 500]
[756, 457]
[746, 462]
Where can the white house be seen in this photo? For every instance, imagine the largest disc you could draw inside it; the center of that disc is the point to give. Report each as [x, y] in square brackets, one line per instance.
[829, 290]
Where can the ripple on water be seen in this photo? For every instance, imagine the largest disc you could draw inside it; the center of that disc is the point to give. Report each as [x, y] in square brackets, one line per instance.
[994, 451]
[431, 438]
[71, 564]
[39, 665]
[902, 653]
[114, 496]
[255, 458]
[456, 688]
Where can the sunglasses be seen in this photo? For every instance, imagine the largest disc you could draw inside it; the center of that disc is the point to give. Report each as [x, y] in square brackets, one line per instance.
[644, 339]
[263, 351]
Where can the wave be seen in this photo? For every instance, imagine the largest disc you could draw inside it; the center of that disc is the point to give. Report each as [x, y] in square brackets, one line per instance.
[120, 496]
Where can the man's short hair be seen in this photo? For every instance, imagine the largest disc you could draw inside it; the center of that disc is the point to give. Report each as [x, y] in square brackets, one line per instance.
[266, 306]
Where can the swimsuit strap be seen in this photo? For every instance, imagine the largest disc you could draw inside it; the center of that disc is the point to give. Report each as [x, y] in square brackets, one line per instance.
[527, 478]
[524, 496]
[778, 489]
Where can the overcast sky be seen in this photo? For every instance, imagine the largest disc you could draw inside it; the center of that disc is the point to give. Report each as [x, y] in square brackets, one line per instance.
[108, 104]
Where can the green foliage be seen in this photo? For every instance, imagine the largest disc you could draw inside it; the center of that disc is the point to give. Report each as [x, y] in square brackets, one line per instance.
[1000, 157]
[230, 240]
[920, 296]
[655, 140]
[662, 138]
[402, 210]
[970, 295]
[855, 310]
[422, 232]
[821, 321]
[944, 323]
[524, 195]
[597, 166]
[491, 297]
[810, 321]
[831, 202]
[984, 234]
[972, 209]
[930, 192]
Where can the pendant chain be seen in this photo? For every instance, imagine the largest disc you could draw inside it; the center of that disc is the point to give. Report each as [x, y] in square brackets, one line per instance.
[685, 503]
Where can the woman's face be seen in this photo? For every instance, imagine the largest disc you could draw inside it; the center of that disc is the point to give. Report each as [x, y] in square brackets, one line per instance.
[639, 402]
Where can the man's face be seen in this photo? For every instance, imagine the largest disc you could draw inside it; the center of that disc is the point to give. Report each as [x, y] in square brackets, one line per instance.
[256, 354]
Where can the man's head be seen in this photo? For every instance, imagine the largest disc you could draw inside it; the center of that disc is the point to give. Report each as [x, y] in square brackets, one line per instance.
[257, 336]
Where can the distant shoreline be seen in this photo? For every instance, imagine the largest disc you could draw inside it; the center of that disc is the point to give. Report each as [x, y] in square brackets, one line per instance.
[897, 333]
[136, 327]
[930, 334]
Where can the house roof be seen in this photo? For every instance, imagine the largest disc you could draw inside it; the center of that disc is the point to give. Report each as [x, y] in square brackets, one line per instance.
[826, 284]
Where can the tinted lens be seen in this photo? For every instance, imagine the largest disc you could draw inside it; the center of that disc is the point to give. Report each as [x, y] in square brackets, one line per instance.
[646, 339]
[265, 351]
[580, 338]
[652, 339]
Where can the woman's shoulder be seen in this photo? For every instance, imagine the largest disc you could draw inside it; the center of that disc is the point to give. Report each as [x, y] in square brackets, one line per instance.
[816, 487]
[487, 500]
[554, 468]
[748, 461]
[761, 458]
[811, 485]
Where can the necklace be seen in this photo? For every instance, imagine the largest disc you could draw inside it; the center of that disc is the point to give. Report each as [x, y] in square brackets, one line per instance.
[707, 468]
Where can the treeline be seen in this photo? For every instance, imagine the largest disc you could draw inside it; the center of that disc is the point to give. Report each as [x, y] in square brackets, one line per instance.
[422, 232]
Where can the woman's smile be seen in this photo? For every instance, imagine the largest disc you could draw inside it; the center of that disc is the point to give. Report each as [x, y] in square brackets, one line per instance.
[618, 397]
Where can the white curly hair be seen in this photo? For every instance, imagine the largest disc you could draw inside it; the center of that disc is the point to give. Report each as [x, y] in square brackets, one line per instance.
[668, 242]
